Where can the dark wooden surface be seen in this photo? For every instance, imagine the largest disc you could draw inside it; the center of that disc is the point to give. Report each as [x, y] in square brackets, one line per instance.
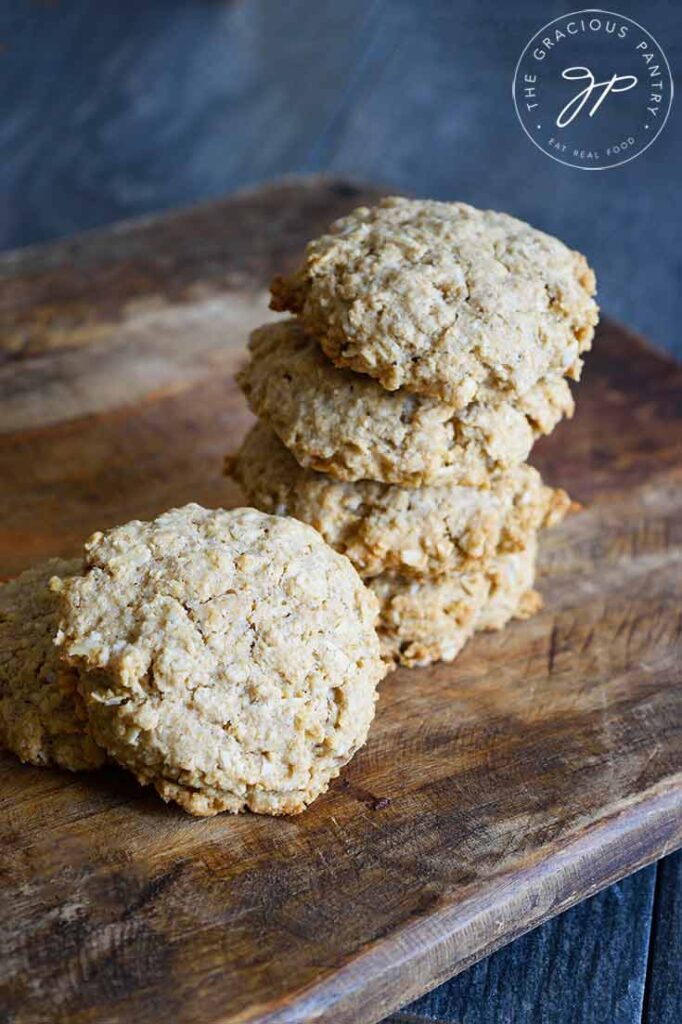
[544, 764]
[114, 110]
[613, 958]
[585, 966]
[663, 997]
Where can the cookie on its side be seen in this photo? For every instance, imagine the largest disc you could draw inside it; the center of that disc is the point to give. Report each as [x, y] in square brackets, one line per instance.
[231, 657]
[424, 532]
[42, 717]
[420, 623]
[347, 425]
[445, 300]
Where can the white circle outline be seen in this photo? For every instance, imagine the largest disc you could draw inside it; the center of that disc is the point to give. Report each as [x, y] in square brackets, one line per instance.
[613, 14]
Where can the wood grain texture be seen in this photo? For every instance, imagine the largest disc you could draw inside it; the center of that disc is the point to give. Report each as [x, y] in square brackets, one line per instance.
[493, 793]
[586, 966]
[663, 1002]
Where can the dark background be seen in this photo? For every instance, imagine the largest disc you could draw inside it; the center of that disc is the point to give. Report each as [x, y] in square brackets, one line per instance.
[117, 109]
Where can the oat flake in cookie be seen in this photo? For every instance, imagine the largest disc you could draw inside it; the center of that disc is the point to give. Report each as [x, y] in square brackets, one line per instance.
[426, 532]
[347, 425]
[443, 299]
[42, 717]
[234, 657]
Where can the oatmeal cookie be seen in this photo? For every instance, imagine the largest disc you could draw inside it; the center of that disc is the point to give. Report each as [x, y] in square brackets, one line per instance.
[231, 657]
[423, 532]
[511, 594]
[420, 623]
[347, 425]
[443, 299]
[42, 717]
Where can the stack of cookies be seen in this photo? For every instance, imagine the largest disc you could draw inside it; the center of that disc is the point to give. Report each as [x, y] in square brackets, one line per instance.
[430, 348]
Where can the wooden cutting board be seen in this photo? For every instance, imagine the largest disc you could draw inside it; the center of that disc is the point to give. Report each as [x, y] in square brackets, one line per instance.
[493, 793]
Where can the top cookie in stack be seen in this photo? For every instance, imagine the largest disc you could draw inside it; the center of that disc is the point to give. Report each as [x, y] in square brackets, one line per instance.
[442, 299]
[431, 347]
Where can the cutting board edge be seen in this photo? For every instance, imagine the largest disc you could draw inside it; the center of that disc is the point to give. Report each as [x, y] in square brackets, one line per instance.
[11, 258]
[369, 976]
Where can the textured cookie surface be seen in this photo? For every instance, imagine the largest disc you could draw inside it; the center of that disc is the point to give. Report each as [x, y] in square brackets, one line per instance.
[420, 623]
[42, 718]
[233, 657]
[444, 299]
[423, 532]
[347, 425]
